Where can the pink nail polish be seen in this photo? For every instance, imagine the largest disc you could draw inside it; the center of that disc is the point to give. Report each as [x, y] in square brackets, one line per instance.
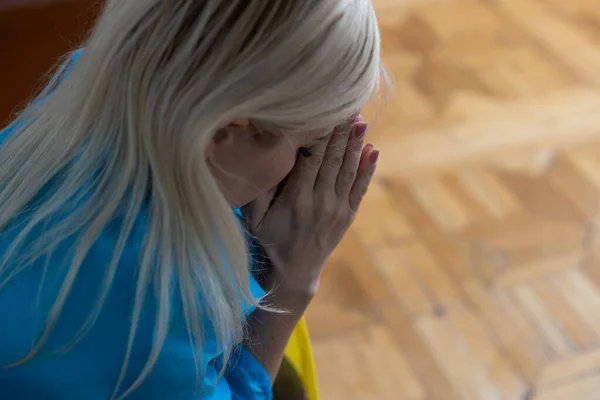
[360, 129]
[374, 156]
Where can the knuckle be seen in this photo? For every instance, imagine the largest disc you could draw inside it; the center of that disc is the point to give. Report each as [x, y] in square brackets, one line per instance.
[329, 208]
[314, 162]
[335, 161]
[349, 176]
[340, 214]
[333, 210]
[362, 191]
[358, 192]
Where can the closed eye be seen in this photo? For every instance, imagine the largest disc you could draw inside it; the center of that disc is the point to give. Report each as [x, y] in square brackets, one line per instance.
[305, 151]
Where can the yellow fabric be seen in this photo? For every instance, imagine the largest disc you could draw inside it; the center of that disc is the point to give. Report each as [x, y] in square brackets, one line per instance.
[299, 352]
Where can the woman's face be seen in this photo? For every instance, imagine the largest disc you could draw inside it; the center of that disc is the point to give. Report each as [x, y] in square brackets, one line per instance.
[247, 164]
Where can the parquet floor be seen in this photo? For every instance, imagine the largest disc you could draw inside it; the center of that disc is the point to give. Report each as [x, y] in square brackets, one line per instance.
[473, 270]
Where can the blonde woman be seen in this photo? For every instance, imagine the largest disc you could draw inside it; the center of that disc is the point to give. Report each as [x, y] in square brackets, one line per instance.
[124, 272]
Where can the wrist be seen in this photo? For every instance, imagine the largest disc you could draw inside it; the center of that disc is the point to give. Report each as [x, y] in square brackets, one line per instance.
[290, 294]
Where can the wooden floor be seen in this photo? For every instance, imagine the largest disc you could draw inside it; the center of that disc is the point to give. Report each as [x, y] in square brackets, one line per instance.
[473, 270]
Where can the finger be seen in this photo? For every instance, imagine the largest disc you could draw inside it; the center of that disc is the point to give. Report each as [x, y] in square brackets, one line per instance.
[365, 174]
[352, 158]
[365, 150]
[301, 180]
[333, 158]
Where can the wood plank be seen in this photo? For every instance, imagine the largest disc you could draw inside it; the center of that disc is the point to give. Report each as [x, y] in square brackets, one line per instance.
[543, 319]
[584, 388]
[570, 368]
[560, 37]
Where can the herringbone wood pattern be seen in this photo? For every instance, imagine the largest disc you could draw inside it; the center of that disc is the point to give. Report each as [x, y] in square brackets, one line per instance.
[473, 270]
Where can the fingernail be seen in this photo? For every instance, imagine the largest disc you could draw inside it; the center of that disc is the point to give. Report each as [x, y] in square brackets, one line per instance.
[360, 129]
[374, 156]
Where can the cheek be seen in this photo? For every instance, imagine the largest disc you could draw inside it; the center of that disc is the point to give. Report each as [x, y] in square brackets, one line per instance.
[247, 172]
[280, 166]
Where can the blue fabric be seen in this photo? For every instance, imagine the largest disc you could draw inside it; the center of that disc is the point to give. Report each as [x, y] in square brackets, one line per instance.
[89, 370]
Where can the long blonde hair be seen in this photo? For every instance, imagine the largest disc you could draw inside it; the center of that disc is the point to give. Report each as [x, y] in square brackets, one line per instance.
[131, 120]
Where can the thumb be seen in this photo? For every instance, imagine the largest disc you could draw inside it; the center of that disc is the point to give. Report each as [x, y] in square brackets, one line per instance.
[255, 211]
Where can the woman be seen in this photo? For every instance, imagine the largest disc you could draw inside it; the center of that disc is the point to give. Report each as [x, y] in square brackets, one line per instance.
[124, 272]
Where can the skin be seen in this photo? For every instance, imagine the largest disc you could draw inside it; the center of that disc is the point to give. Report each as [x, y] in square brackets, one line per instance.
[302, 227]
[247, 164]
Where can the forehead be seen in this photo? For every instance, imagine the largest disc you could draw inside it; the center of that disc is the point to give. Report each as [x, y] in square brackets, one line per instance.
[325, 132]
[316, 136]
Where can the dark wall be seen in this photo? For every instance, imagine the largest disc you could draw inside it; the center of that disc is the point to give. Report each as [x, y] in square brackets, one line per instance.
[33, 36]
